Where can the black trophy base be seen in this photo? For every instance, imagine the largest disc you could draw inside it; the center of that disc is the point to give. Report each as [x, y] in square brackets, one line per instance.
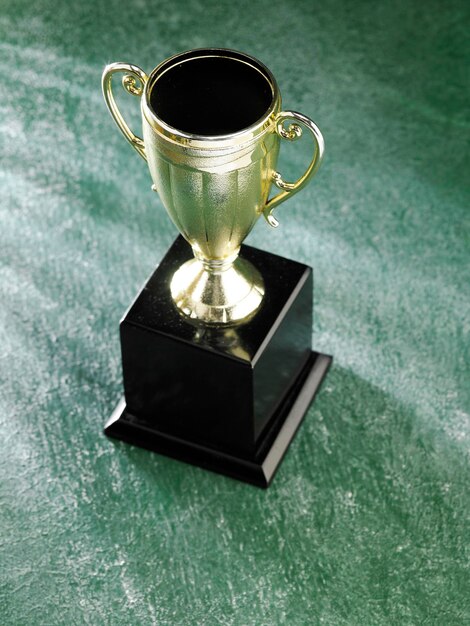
[227, 398]
[258, 471]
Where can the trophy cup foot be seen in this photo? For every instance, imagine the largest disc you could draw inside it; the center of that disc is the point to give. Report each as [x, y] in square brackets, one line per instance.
[217, 292]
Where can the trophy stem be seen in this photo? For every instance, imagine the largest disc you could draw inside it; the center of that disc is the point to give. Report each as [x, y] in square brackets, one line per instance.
[217, 291]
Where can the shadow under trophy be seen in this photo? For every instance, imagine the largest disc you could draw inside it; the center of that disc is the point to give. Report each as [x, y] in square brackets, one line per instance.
[217, 361]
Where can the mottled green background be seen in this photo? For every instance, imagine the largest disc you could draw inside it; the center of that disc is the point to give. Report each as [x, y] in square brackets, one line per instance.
[367, 519]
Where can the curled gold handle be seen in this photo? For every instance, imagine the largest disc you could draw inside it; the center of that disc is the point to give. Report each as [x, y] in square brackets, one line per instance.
[291, 133]
[133, 82]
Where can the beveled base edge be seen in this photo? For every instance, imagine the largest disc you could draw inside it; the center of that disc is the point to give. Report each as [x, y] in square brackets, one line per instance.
[260, 472]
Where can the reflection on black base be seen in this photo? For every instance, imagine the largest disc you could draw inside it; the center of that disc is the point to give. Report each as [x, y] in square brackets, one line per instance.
[261, 469]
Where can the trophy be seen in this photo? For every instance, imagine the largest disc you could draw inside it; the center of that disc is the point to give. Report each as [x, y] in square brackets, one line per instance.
[218, 367]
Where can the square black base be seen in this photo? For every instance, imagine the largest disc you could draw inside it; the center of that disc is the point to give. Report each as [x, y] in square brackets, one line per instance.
[258, 471]
[226, 398]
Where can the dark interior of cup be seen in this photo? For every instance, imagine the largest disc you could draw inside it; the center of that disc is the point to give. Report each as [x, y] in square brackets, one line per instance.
[213, 95]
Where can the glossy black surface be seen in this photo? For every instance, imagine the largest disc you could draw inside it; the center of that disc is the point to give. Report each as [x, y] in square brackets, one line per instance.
[258, 471]
[228, 390]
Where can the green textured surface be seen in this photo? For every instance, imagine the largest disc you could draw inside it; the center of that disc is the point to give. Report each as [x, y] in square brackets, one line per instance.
[367, 519]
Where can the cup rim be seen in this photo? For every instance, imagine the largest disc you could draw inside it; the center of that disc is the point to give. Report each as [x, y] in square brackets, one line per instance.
[176, 134]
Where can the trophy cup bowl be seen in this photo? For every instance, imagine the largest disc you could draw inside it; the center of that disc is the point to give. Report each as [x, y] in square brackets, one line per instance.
[212, 127]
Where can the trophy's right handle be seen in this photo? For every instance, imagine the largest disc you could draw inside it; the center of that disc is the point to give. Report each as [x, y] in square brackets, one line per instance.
[293, 132]
[133, 82]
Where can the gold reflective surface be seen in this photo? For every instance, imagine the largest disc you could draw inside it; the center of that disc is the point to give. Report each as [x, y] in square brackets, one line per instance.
[228, 294]
[214, 188]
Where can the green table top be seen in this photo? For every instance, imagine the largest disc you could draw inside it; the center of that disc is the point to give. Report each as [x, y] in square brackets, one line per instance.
[367, 519]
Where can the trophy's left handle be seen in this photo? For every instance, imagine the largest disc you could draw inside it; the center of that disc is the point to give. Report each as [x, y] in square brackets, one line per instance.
[291, 133]
[133, 81]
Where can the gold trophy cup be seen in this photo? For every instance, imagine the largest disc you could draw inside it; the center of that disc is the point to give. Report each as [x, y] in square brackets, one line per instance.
[212, 128]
